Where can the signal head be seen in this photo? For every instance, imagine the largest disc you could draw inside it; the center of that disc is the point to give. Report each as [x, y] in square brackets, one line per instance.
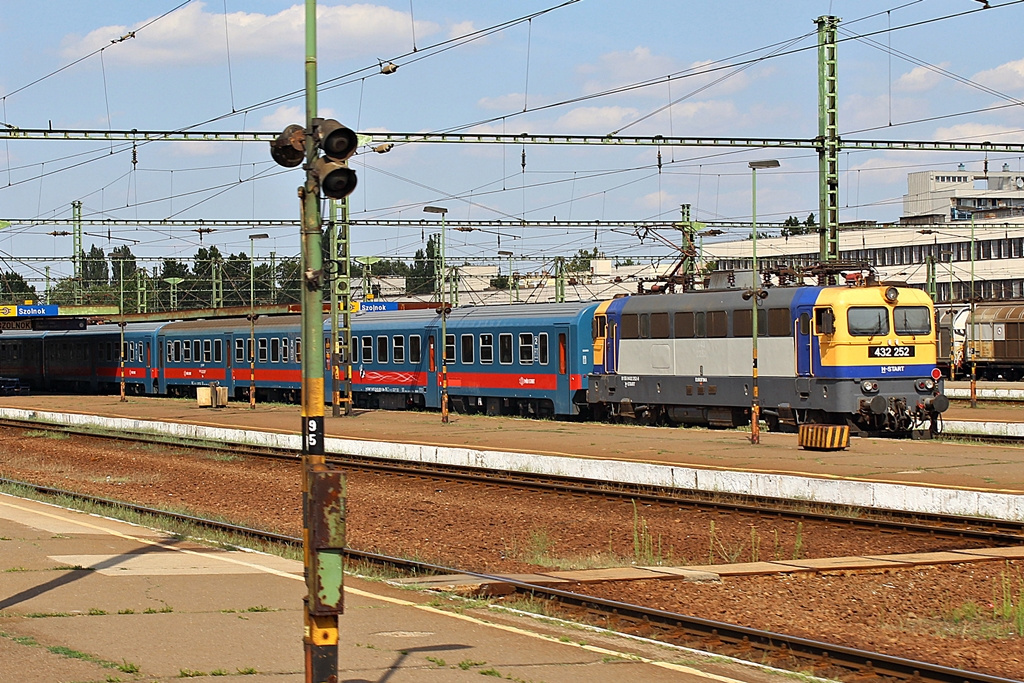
[336, 141]
[289, 148]
[337, 180]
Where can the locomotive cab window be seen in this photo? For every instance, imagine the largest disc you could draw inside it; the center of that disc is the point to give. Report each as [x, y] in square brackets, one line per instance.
[600, 326]
[825, 321]
[868, 321]
[911, 320]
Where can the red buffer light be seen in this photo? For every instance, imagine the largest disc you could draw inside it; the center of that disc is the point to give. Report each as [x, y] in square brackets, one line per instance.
[936, 373]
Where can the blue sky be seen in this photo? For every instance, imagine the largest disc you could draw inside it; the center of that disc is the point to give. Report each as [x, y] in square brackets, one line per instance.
[219, 61]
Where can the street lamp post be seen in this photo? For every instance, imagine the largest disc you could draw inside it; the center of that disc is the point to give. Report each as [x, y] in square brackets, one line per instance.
[252, 319]
[444, 316]
[756, 295]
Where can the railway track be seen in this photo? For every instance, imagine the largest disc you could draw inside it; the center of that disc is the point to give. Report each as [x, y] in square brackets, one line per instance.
[788, 652]
[983, 530]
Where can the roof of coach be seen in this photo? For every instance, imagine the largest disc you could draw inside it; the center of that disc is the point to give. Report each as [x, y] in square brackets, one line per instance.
[476, 314]
[207, 325]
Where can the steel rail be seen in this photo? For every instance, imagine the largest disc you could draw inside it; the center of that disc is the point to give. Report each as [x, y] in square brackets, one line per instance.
[983, 530]
[704, 634]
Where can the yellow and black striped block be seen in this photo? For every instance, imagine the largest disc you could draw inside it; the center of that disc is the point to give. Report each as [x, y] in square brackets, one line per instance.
[824, 437]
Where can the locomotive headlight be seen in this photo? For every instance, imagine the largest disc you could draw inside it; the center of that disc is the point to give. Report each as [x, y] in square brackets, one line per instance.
[925, 385]
[891, 294]
[869, 387]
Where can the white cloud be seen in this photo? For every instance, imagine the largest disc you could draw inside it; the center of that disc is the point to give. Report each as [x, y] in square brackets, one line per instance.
[616, 69]
[1009, 76]
[977, 132]
[595, 119]
[464, 28]
[193, 35]
[919, 79]
[509, 102]
[655, 201]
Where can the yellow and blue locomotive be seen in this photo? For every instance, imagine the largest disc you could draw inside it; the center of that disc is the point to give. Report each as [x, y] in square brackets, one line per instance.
[858, 355]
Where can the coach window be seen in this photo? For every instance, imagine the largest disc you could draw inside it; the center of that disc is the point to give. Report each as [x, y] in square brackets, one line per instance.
[449, 348]
[197, 350]
[466, 341]
[487, 348]
[526, 348]
[285, 344]
[261, 350]
[630, 328]
[398, 348]
[298, 350]
[239, 351]
[367, 349]
[415, 349]
[779, 323]
[275, 350]
[718, 324]
[542, 348]
[354, 345]
[218, 350]
[868, 321]
[910, 320]
[599, 326]
[684, 325]
[505, 348]
[207, 350]
[186, 351]
[382, 349]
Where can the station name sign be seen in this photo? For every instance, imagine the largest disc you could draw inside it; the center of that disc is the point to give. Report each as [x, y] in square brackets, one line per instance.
[28, 310]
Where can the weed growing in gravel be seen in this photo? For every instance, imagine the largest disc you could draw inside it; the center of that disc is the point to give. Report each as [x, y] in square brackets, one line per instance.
[437, 661]
[467, 664]
[644, 553]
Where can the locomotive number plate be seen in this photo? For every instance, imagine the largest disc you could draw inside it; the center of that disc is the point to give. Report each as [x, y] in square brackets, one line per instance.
[890, 351]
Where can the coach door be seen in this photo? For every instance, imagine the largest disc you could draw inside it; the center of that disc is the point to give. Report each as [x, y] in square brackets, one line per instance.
[433, 390]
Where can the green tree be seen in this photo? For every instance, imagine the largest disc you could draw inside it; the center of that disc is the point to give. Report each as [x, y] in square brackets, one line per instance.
[94, 268]
[14, 289]
[421, 276]
[580, 263]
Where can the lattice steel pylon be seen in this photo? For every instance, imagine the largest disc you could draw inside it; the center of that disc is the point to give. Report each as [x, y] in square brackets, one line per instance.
[828, 139]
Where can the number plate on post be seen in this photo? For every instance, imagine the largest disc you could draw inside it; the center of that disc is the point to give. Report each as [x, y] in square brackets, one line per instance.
[891, 352]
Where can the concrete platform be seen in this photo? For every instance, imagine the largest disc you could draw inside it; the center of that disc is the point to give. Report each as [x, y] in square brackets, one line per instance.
[903, 475]
[84, 598]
